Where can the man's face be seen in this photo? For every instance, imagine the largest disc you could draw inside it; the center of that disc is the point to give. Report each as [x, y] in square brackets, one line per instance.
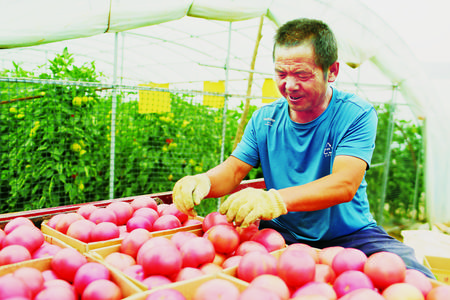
[301, 82]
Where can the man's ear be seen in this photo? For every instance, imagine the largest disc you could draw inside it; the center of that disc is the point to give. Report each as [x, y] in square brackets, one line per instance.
[333, 71]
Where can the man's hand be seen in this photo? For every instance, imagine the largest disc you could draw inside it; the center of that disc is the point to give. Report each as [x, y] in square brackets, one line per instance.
[250, 204]
[190, 191]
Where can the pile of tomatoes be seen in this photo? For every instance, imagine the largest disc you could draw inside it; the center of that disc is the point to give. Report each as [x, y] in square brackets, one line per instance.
[255, 264]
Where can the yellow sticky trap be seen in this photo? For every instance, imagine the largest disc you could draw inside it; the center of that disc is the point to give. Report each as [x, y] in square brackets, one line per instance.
[154, 101]
[270, 89]
[214, 87]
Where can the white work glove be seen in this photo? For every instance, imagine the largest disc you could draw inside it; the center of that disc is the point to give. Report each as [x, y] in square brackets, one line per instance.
[190, 191]
[250, 204]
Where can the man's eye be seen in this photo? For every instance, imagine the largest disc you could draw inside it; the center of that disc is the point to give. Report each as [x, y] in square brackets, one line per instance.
[304, 76]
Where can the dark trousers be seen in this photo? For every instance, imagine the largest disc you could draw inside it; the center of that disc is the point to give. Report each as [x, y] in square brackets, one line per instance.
[369, 240]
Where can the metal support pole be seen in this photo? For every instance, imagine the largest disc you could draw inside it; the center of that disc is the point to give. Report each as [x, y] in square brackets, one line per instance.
[113, 119]
[415, 215]
[225, 104]
[387, 160]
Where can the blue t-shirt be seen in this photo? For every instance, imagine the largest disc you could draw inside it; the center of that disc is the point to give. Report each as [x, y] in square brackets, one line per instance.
[292, 154]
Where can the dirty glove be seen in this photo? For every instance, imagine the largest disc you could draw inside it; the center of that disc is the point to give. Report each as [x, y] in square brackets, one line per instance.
[250, 204]
[190, 191]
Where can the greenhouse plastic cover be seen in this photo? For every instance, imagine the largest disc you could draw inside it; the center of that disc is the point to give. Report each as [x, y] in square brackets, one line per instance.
[364, 39]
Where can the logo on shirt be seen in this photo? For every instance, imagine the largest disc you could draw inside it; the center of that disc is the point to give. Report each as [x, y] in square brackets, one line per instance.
[268, 121]
[328, 150]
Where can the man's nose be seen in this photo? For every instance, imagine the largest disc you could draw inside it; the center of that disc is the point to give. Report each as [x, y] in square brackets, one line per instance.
[291, 84]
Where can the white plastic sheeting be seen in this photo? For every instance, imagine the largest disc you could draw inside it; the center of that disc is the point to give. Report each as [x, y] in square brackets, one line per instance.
[364, 40]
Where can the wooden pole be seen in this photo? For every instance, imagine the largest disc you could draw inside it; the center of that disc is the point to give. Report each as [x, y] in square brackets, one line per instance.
[243, 121]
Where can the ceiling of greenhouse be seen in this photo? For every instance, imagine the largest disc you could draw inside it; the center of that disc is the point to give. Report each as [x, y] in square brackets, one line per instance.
[183, 41]
[186, 42]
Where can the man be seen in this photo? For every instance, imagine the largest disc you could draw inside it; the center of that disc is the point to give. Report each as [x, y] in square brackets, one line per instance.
[314, 146]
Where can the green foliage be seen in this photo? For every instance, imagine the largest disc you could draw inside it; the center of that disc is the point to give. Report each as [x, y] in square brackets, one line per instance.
[56, 140]
[50, 139]
[404, 198]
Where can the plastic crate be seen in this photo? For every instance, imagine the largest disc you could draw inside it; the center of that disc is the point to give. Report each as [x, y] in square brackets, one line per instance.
[439, 266]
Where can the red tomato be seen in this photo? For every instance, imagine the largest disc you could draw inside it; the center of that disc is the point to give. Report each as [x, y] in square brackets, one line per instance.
[46, 250]
[165, 222]
[102, 289]
[402, 290]
[149, 213]
[102, 214]
[139, 222]
[210, 268]
[316, 288]
[88, 273]
[49, 275]
[28, 236]
[232, 261]
[197, 251]
[32, 277]
[54, 220]
[245, 234]
[305, 247]
[153, 281]
[180, 237]
[132, 242]
[14, 254]
[364, 293]
[219, 258]
[324, 273]
[16, 222]
[351, 280]
[144, 201]
[2, 236]
[348, 259]
[254, 264]
[272, 283]
[157, 241]
[419, 280]
[11, 286]
[188, 273]
[86, 210]
[161, 260]
[327, 254]
[65, 220]
[250, 246]
[191, 222]
[173, 210]
[384, 269]
[120, 260]
[56, 293]
[296, 267]
[81, 230]
[269, 238]
[104, 231]
[225, 238]
[214, 218]
[122, 210]
[252, 293]
[216, 289]
[440, 292]
[66, 262]
[161, 208]
[163, 294]
[57, 282]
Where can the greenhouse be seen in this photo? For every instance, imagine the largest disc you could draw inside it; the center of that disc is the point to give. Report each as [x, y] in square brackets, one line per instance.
[113, 99]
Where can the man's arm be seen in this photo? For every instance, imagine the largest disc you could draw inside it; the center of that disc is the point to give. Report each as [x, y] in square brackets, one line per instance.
[338, 187]
[227, 176]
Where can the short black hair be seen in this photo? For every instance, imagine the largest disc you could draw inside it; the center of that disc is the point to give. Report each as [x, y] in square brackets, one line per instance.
[296, 32]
